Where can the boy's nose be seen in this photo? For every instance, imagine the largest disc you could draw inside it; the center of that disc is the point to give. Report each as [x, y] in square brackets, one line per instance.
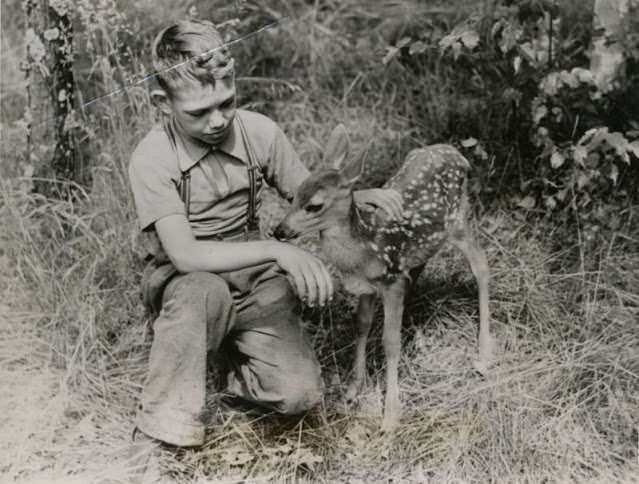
[216, 121]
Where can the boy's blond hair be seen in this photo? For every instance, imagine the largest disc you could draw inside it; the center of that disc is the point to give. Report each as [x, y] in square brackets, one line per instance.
[190, 50]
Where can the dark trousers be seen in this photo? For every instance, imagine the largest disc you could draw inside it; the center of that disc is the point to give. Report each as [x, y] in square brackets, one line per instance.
[254, 314]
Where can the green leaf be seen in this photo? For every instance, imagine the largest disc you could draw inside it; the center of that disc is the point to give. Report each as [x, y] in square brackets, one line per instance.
[557, 159]
[391, 52]
[582, 180]
[470, 39]
[511, 33]
[579, 154]
[584, 75]
[599, 136]
[469, 142]
[550, 84]
[569, 78]
[614, 173]
[480, 152]
[456, 49]
[562, 194]
[619, 142]
[539, 114]
[403, 42]
[592, 160]
[527, 202]
[51, 34]
[517, 64]
[447, 41]
[418, 47]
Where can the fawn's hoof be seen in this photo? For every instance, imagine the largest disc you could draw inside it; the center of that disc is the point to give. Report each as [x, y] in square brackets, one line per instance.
[485, 359]
[351, 402]
[352, 394]
[390, 422]
[481, 366]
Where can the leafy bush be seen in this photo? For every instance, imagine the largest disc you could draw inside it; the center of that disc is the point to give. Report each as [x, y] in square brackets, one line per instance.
[561, 142]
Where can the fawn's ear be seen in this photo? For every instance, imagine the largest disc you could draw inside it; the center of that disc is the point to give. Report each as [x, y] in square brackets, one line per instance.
[337, 147]
[160, 100]
[354, 169]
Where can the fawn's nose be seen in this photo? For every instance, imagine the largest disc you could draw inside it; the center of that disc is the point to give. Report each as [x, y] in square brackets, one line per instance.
[282, 232]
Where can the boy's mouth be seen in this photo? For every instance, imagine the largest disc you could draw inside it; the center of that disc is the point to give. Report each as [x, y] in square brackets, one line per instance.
[216, 136]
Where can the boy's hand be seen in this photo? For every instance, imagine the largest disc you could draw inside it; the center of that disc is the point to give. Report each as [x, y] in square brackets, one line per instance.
[387, 199]
[311, 279]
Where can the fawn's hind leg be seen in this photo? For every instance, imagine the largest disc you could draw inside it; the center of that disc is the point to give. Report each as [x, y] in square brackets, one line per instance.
[393, 297]
[365, 314]
[462, 239]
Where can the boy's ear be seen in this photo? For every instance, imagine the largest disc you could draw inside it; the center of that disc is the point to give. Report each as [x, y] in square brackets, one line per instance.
[337, 147]
[354, 170]
[160, 100]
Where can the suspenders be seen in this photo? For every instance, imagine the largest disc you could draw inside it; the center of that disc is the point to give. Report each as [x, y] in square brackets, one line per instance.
[185, 191]
[252, 221]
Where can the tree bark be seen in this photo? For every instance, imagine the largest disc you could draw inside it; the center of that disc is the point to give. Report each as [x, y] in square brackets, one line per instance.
[607, 60]
[50, 94]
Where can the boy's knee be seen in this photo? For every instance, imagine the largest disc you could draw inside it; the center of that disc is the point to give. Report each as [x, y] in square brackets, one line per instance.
[194, 287]
[277, 295]
[304, 391]
[300, 402]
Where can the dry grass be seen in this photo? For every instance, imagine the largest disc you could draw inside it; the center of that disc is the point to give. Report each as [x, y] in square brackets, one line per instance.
[560, 405]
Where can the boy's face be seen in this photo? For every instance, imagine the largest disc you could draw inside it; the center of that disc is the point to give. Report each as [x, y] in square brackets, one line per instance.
[203, 111]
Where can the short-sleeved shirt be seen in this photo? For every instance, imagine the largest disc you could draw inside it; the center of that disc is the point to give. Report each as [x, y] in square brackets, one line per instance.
[219, 176]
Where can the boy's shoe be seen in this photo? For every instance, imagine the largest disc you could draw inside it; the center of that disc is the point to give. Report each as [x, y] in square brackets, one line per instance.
[238, 409]
[144, 459]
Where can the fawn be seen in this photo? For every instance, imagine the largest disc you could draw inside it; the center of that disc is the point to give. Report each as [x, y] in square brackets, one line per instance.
[379, 255]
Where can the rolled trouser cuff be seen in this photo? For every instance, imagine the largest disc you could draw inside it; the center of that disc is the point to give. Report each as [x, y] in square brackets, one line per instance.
[171, 428]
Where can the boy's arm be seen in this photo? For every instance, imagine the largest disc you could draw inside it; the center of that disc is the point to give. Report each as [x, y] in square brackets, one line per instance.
[159, 206]
[310, 277]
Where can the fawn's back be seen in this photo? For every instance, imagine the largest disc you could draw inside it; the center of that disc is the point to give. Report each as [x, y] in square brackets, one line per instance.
[368, 247]
[432, 184]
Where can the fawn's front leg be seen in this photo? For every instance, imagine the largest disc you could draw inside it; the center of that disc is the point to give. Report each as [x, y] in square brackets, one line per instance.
[365, 314]
[393, 297]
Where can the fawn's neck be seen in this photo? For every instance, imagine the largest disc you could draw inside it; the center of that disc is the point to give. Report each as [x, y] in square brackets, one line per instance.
[354, 225]
[346, 244]
[345, 240]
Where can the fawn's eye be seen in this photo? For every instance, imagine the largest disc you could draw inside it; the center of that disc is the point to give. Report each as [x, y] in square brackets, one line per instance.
[229, 103]
[313, 207]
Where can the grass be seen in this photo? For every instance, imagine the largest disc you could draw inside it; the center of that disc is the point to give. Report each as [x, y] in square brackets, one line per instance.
[561, 404]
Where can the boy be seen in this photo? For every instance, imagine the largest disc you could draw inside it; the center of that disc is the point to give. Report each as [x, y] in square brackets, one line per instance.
[196, 182]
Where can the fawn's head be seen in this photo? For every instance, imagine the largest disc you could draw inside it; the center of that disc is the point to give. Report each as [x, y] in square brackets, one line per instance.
[324, 199]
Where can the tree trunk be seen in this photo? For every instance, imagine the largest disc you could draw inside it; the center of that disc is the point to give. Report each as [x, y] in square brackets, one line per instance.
[50, 94]
[607, 59]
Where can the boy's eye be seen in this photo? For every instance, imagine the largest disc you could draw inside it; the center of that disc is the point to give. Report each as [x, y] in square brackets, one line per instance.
[313, 207]
[197, 114]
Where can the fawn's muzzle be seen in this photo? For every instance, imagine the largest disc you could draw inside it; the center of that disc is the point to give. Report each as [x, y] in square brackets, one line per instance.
[283, 232]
